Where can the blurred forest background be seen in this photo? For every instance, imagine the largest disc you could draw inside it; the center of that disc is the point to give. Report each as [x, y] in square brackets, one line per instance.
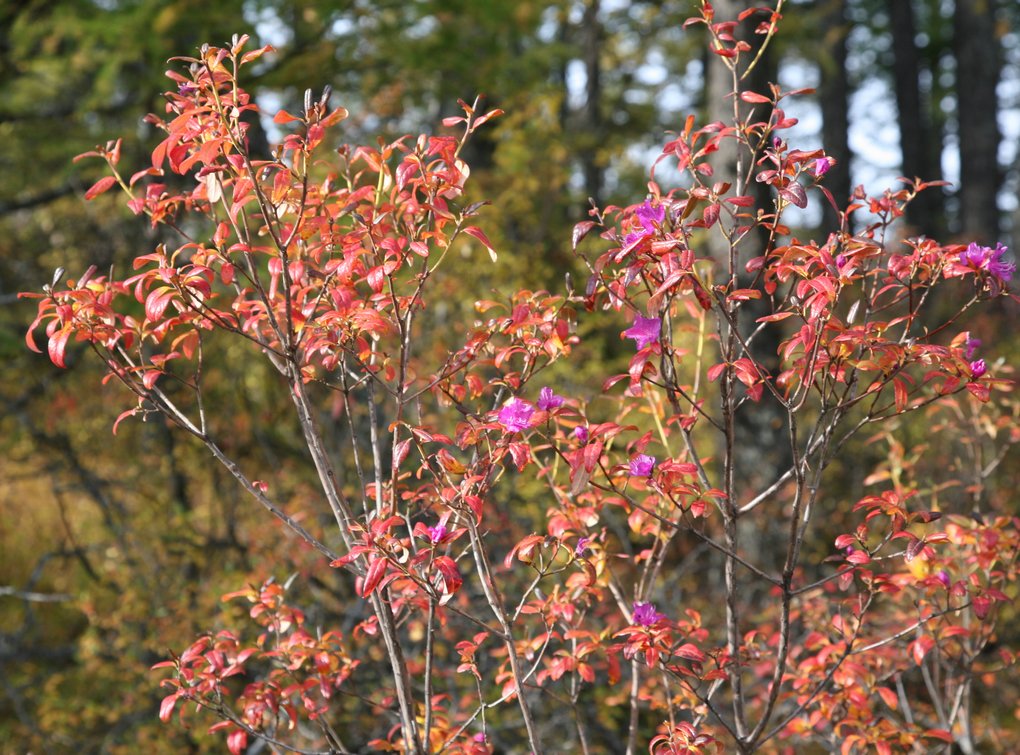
[114, 549]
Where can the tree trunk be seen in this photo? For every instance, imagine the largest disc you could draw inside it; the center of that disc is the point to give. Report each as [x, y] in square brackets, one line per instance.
[921, 159]
[591, 44]
[833, 97]
[768, 454]
[977, 75]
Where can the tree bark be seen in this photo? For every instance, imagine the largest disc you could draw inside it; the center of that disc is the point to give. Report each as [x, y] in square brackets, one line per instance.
[919, 148]
[833, 98]
[758, 462]
[977, 52]
[591, 42]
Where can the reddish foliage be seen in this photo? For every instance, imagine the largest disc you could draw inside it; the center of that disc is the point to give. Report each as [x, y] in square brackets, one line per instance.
[325, 271]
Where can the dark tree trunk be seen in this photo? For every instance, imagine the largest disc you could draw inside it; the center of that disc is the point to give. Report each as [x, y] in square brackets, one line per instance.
[764, 451]
[977, 74]
[591, 45]
[834, 96]
[920, 150]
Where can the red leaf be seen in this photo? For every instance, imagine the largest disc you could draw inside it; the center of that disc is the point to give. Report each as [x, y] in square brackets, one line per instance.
[900, 391]
[149, 378]
[943, 734]
[451, 579]
[716, 370]
[581, 230]
[982, 605]
[100, 186]
[754, 97]
[156, 303]
[491, 114]
[524, 550]
[376, 571]
[920, 647]
[124, 415]
[843, 541]
[590, 455]
[980, 391]
[57, 345]
[166, 708]
[400, 452]
[521, 454]
[914, 549]
[477, 233]
[888, 697]
[710, 215]
[690, 652]
[237, 741]
[795, 194]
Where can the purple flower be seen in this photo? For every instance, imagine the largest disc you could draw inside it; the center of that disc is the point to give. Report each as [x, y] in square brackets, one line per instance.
[841, 260]
[515, 415]
[1001, 270]
[644, 331]
[645, 614]
[642, 465]
[547, 400]
[582, 546]
[978, 258]
[186, 89]
[970, 346]
[437, 533]
[581, 433]
[943, 577]
[822, 165]
[978, 368]
[649, 217]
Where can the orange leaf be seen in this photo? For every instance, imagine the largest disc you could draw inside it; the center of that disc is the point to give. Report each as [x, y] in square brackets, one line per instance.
[888, 697]
[284, 117]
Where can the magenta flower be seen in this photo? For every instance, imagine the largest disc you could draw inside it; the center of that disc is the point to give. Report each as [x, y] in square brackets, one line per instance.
[982, 258]
[971, 345]
[645, 614]
[943, 577]
[822, 166]
[978, 368]
[841, 260]
[649, 217]
[437, 533]
[642, 465]
[547, 400]
[582, 546]
[644, 331]
[515, 415]
[581, 433]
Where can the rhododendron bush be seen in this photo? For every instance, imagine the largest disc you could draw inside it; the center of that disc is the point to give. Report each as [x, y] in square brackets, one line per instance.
[534, 564]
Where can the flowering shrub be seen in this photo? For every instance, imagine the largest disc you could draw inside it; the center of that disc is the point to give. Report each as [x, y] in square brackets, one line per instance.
[475, 629]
